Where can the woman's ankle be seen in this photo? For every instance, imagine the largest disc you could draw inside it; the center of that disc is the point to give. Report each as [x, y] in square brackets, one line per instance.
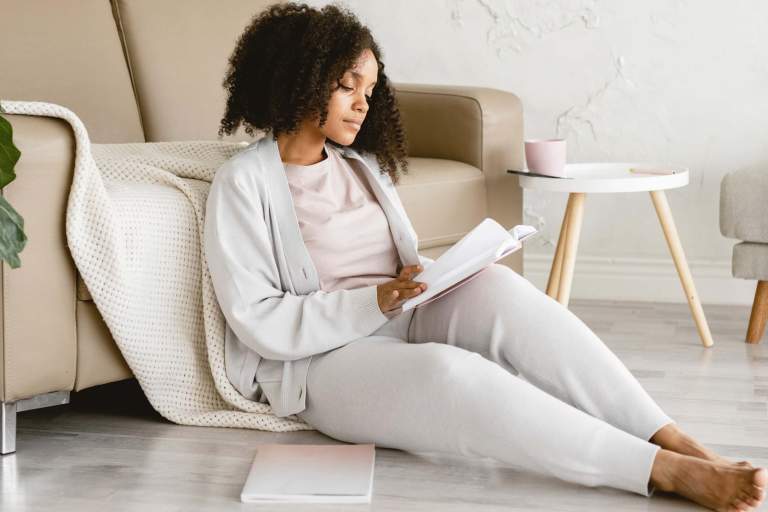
[672, 438]
[664, 470]
[666, 435]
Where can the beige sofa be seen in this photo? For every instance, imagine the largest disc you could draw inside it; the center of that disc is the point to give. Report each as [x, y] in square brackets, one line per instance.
[146, 71]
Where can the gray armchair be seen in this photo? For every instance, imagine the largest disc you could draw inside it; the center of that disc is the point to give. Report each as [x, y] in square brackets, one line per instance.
[744, 216]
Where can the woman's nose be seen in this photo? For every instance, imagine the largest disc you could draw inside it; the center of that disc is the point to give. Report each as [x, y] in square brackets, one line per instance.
[361, 105]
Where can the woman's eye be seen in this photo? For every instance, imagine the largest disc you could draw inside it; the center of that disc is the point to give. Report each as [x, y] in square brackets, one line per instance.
[352, 88]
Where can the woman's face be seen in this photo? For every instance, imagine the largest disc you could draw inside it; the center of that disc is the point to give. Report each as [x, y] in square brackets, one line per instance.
[348, 105]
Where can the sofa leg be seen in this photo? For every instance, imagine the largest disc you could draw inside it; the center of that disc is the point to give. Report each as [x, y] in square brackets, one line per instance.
[759, 313]
[8, 412]
[8, 418]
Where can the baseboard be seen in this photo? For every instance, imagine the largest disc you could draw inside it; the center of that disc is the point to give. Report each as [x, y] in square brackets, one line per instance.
[644, 279]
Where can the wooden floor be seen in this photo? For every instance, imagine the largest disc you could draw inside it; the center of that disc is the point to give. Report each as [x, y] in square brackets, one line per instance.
[109, 451]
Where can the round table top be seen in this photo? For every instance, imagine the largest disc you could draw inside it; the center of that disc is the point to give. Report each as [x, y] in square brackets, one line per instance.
[610, 177]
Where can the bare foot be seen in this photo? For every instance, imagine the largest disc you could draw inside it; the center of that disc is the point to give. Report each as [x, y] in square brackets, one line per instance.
[671, 437]
[724, 488]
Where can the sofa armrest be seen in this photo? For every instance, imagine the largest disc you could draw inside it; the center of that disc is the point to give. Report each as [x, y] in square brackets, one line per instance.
[38, 340]
[478, 126]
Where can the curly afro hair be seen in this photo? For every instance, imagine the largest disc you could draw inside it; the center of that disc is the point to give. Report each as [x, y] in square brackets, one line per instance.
[285, 67]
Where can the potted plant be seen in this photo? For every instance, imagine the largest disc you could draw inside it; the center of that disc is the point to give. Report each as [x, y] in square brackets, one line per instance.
[12, 237]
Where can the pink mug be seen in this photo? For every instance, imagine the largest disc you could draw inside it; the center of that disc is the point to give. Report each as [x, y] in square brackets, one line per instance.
[546, 156]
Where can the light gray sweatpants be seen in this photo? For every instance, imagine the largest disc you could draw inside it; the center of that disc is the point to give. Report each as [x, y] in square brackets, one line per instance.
[498, 369]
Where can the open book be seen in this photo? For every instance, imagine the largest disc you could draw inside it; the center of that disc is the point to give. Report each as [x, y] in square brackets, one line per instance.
[487, 243]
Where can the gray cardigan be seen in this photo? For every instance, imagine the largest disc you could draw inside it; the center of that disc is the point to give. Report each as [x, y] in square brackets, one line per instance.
[267, 285]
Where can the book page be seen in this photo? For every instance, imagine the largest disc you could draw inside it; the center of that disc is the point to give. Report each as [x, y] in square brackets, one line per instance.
[484, 244]
[450, 288]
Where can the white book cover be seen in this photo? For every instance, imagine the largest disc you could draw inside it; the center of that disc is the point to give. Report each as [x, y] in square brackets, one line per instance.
[486, 243]
[308, 473]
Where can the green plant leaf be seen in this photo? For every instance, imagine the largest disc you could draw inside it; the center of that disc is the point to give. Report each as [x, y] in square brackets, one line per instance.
[9, 153]
[12, 237]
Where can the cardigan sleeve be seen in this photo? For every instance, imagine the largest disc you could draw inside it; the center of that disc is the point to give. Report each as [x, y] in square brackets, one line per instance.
[274, 323]
[425, 262]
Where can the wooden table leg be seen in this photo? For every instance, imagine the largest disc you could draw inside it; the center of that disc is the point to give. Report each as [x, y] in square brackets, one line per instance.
[759, 313]
[659, 199]
[553, 284]
[573, 230]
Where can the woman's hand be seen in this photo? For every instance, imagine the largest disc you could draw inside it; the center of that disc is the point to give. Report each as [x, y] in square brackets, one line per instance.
[393, 293]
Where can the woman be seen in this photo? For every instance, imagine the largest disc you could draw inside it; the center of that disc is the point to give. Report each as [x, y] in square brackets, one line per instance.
[312, 255]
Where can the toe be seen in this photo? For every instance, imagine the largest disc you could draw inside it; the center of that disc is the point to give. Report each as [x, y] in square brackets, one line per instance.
[738, 506]
[741, 505]
[760, 477]
[748, 499]
[758, 495]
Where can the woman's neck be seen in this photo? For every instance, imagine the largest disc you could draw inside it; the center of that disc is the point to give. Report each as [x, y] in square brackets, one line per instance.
[302, 148]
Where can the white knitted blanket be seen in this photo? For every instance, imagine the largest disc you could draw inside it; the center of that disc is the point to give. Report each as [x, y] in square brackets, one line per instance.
[134, 227]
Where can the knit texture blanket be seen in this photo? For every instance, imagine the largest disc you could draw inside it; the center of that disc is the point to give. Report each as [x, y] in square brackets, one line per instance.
[134, 226]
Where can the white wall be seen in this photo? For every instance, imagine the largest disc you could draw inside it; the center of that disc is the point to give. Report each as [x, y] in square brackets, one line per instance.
[660, 80]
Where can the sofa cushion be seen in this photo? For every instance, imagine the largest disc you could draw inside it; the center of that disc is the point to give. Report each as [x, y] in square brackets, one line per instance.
[744, 205]
[178, 52]
[443, 198]
[69, 53]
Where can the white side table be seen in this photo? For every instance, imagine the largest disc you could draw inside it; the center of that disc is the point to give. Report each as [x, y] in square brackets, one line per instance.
[615, 177]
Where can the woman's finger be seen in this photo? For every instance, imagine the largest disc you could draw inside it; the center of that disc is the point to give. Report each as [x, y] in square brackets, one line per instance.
[407, 293]
[409, 271]
[409, 284]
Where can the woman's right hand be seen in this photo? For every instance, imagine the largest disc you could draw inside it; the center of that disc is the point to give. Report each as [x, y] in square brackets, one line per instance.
[393, 293]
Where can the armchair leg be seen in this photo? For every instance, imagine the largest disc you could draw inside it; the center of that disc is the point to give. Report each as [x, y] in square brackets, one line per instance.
[8, 412]
[759, 313]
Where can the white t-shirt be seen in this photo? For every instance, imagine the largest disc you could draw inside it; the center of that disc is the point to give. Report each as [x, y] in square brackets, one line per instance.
[342, 223]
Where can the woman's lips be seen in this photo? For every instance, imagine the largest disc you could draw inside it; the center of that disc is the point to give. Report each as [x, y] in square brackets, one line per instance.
[353, 123]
